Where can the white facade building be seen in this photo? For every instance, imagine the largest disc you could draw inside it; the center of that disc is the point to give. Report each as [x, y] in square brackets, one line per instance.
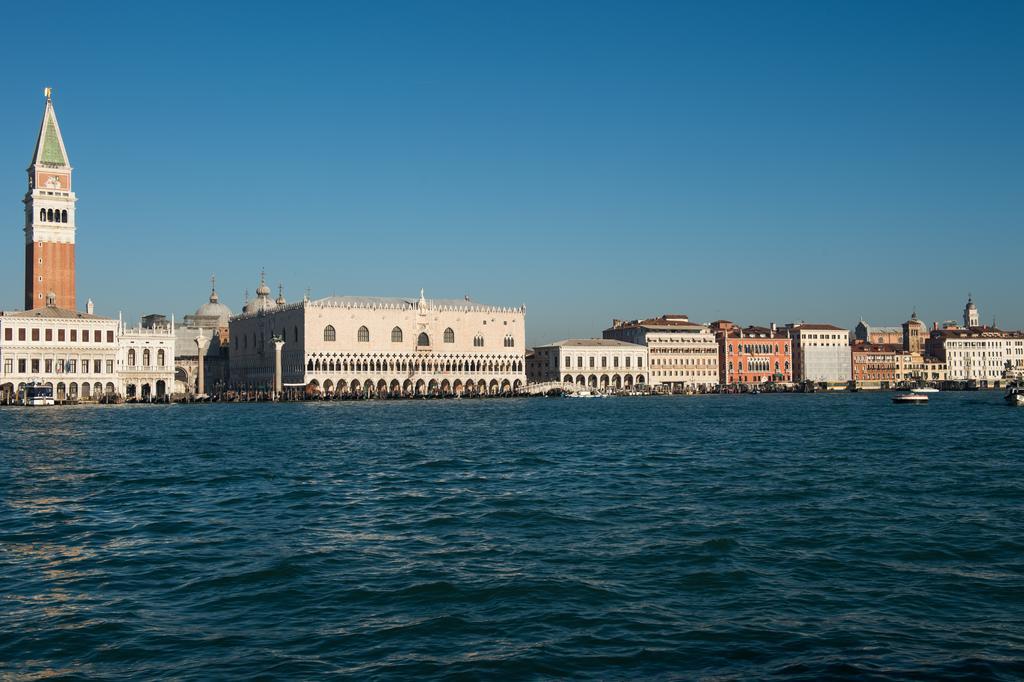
[982, 354]
[352, 345]
[597, 363]
[82, 356]
[683, 355]
[821, 353]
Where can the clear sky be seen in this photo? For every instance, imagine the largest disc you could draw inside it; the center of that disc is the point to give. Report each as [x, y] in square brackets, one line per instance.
[750, 161]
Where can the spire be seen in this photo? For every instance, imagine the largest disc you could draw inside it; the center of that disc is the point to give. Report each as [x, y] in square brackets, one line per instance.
[280, 294]
[213, 289]
[49, 150]
[263, 290]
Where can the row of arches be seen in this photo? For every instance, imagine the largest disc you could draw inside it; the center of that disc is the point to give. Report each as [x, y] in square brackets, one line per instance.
[615, 381]
[397, 336]
[72, 390]
[399, 365]
[49, 215]
[381, 388]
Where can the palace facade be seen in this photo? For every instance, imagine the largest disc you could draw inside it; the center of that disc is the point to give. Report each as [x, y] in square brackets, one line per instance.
[597, 363]
[355, 345]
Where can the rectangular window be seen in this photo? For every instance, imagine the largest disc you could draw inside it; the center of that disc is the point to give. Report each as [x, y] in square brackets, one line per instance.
[49, 335]
[72, 366]
[48, 364]
[74, 335]
[627, 361]
[35, 366]
[96, 366]
[9, 334]
[60, 334]
[85, 366]
[639, 362]
[568, 361]
[21, 365]
[97, 335]
[85, 335]
[604, 361]
[591, 363]
[615, 361]
[21, 334]
[8, 366]
[110, 366]
[110, 336]
[579, 362]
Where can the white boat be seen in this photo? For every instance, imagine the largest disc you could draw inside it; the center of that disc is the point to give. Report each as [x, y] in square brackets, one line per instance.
[35, 393]
[924, 389]
[910, 399]
[1015, 396]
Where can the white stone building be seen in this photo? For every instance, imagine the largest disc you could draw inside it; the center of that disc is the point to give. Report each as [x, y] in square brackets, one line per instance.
[357, 345]
[597, 363]
[821, 354]
[82, 356]
[683, 355]
[985, 355]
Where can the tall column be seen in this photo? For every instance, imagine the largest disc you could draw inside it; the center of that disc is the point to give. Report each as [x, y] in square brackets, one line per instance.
[201, 346]
[278, 375]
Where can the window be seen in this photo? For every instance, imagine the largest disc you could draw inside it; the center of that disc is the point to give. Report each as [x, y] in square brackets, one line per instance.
[396, 335]
[60, 334]
[9, 334]
[449, 335]
[510, 342]
[21, 365]
[591, 362]
[639, 362]
[329, 333]
[48, 365]
[131, 357]
[363, 335]
[8, 366]
[110, 366]
[71, 366]
[478, 341]
[568, 362]
[160, 357]
[97, 336]
[21, 334]
[97, 365]
[35, 366]
[49, 335]
[296, 330]
[423, 339]
[35, 334]
[145, 358]
[615, 361]
[74, 335]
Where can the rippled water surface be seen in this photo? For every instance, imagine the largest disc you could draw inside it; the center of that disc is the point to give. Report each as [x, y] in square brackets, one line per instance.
[803, 536]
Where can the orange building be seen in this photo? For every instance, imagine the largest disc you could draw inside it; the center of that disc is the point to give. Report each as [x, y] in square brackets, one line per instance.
[49, 220]
[754, 355]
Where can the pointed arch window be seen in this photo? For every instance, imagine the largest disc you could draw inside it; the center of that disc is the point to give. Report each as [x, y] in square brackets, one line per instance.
[363, 335]
[510, 342]
[423, 339]
[478, 341]
[329, 333]
[396, 335]
[449, 335]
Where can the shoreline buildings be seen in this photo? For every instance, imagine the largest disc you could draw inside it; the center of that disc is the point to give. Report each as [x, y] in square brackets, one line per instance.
[376, 346]
[77, 355]
[683, 355]
[594, 363]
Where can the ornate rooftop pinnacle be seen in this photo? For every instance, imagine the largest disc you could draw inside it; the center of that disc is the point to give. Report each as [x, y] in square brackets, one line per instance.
[263, 290]
[214, 298]
[280, 294]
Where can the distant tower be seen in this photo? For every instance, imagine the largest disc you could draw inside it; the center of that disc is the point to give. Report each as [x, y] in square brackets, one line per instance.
[49, 219]
[914, 334]
[971, 313]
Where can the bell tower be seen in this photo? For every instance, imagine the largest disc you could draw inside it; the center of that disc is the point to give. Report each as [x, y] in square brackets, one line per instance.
[49, 219]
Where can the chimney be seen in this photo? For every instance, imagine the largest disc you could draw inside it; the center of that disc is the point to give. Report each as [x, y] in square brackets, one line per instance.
[89, 307]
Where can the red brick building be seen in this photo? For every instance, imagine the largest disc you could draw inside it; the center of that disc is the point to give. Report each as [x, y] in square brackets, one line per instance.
[754, 355]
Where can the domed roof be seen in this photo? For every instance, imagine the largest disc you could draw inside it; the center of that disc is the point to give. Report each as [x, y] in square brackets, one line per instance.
[211, 314]
[262, 302]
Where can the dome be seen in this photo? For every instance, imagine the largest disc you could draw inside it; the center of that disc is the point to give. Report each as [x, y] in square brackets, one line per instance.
[262, 302]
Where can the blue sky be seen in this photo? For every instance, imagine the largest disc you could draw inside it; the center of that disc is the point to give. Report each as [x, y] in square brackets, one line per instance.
[752, 161]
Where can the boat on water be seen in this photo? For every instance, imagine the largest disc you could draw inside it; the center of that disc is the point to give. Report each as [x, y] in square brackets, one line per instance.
[1015, 396]
[924, 389]
[35, 393]
[910, 399]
